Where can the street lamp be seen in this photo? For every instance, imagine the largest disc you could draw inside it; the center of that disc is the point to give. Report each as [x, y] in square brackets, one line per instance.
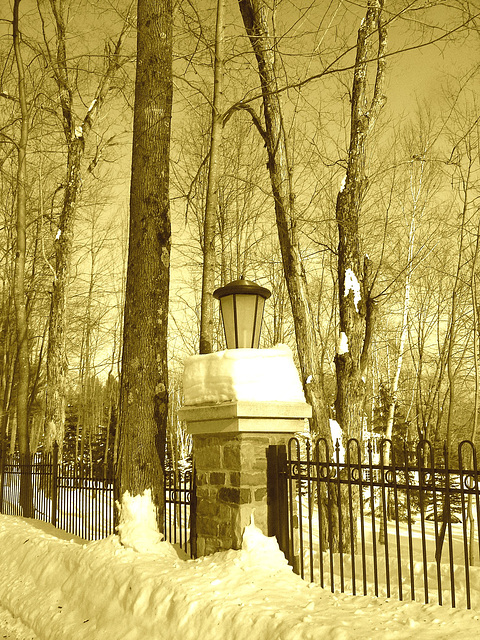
[242, 303]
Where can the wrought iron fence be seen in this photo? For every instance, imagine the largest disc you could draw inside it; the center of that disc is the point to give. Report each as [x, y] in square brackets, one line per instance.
[180, 510]
[74, 497]
[81, 500]
[403, 523]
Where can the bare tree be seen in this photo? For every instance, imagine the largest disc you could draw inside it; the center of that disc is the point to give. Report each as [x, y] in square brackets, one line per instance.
[254, 14]
[76, 132]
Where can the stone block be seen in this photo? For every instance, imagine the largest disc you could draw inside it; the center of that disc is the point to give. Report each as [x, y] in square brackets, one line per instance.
[235, 495]
[225, 530]
[248, 453]
[200, 546]
[217, 477]
[203, 491]
[225, 542]
[252, 478]
[212, 545]
[231, 456]
[234, 477]
[202, 478]
[229, 495]
[260, 494]
[207, 457]
[207, 526]
[224, 512]
[245, 495]
[208, 508]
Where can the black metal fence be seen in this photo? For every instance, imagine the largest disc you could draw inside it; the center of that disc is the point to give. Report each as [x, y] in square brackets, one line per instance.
[81, 500]
[180, 510]
[381, 520]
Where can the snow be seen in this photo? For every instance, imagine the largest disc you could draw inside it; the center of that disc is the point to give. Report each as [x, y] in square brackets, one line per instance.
[56, 588]
[137, 528]
[261, 375]
[337, 437]
[342, 347]
[352, 284]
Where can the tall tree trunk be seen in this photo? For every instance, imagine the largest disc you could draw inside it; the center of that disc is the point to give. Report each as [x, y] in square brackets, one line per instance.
[254, 14]
[144, 380]
[356, 307]
[22, 366]
[208, 279]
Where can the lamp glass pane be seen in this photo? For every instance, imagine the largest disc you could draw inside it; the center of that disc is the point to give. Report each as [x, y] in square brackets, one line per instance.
[258, 321]
[228, 316]
[245, 319]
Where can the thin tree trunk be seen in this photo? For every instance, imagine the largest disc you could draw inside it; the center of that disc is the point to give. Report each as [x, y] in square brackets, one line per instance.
[470, 508]
[144, 381]
[451, 334]
[396, 379]
[208, 279]
[22, 366]
[472, 546]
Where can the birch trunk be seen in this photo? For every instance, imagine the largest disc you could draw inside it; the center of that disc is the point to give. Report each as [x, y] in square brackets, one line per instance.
[208, 279]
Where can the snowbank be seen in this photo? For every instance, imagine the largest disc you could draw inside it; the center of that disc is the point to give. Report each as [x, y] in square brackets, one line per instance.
[242, 374]
[62, 589]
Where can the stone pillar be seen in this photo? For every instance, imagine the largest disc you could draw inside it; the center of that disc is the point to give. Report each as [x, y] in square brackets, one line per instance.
[230, 444]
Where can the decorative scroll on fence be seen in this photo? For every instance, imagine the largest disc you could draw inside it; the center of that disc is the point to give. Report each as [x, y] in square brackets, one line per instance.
[381, 519]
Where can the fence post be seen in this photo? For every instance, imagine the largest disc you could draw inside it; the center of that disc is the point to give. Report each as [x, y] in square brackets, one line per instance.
[277, 497]
[193, 513]
[54, 476]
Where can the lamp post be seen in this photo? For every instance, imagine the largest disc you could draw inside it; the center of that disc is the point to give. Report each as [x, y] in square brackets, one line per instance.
[242, 303]
[235, 430]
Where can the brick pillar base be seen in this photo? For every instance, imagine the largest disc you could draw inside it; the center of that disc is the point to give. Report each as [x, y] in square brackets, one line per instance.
[230, 444]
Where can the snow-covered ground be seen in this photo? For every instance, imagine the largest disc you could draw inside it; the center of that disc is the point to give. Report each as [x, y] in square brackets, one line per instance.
[57, 587]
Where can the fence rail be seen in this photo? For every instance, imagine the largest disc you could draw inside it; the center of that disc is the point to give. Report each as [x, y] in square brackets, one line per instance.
[402, 524]
[81, 500]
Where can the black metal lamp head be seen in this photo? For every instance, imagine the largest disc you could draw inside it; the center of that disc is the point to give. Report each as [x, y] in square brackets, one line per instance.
[242, 303]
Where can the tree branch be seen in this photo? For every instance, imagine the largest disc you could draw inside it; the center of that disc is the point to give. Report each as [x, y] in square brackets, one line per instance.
[245, 107]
